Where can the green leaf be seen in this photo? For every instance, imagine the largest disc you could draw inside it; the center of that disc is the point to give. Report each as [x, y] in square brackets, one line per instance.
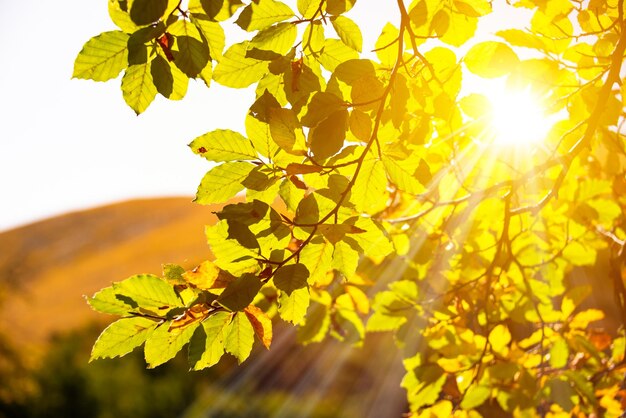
[385, 45]
[191, 52]
[207, 343]
[169, 81]
[144, 12]
[239, 337]
[379, 322]
[173, 273]
[370, 187]
[372, 238]
[559, 354]
[499, 338]
[345, 258]
[147, 291]
[316, 325]
[292, 308]
[582, 385]
[491, 59]
[455, 28]
[517, 37]
[103, 57]
[307, 8]
[326, 139]
[223, 145]
[431, 379]
[261, 323]
[321, 106]
[106, 301]
[164, 343]
[286, 131]
[317, 256]
[122, 337]
[213, 33]
[335, 52]
[278, 38]
[348, 32]
[222, 182]
[263, 13]
[217, 10]
[336, 7]
[230, 255]
[238, 71]
[240, 293]
[291, 277]
[475, 396]
[402, 173]
[261, 137]
[120, 16]
[138, 88]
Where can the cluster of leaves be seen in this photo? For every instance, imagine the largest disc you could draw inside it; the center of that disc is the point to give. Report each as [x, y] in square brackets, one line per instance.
[371, 204]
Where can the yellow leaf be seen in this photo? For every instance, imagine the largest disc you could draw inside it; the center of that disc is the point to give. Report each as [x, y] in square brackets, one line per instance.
[491, 59]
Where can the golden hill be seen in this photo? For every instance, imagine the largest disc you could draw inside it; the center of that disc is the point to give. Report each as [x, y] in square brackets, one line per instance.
[47, 267]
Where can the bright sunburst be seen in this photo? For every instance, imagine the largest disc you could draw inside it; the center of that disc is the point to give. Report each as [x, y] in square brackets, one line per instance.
[517, 118]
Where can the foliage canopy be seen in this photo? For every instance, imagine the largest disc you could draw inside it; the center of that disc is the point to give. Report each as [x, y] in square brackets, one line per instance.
[376, 201]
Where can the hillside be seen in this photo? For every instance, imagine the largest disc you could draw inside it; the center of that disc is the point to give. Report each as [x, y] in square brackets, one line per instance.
[45, 270]
[47, 267]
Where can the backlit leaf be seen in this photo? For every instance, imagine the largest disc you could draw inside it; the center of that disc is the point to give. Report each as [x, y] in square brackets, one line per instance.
[369, 187]
[207, 343]
[147, 291]
[222, 182]
[326, 139]
[236, 70]
[335, 52]
[213, 33]
[336, 7]
[316, 325]
[286, 131]
[261, 324]
[122, 337]
[291, 277]
[491, 59]
[348, 32]
[163, 343]
[239, 337]
[191, 52]
[144, 12]
[263, 13]
[223, 145]
[106, 301]
[103, 57]
[240, 293]
[345, 258]
[317, 257]
[138, 88]
[401, 173]
[292, 308]
[475, 396]
[278, 38]
[559, 353]
[169, 81]
[499, 338]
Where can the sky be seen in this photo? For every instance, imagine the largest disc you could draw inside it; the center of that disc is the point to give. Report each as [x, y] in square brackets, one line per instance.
[73, 144]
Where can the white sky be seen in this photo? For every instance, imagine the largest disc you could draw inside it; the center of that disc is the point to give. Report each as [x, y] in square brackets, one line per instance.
[72, 144]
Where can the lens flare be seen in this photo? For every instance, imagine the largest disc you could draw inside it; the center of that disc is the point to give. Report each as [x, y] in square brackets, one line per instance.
[517, 118]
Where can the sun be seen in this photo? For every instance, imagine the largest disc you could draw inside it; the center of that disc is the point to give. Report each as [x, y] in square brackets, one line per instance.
[517, 118]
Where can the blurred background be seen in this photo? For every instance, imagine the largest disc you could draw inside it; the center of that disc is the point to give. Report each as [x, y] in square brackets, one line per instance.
[47, 329]
[92, 194]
